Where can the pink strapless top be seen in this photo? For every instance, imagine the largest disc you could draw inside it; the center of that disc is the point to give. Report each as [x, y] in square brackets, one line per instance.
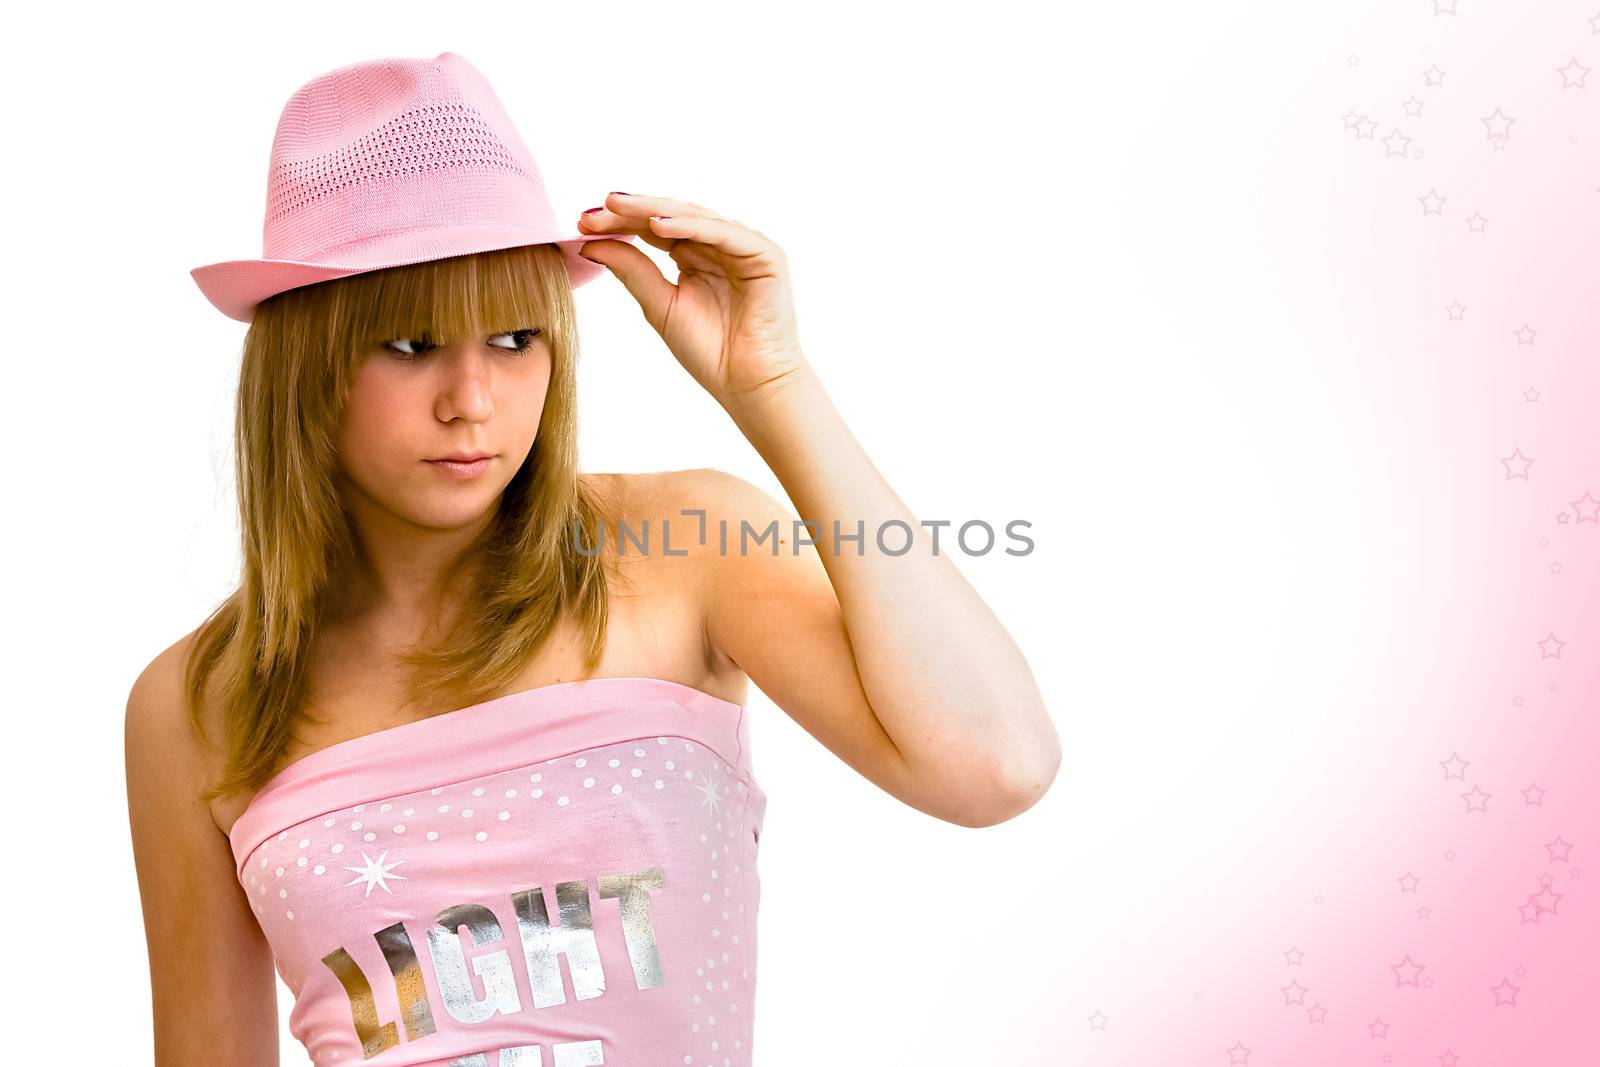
[559, 877]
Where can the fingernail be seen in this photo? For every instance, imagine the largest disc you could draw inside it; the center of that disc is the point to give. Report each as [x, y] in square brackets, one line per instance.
[615, 193]
[592, 210]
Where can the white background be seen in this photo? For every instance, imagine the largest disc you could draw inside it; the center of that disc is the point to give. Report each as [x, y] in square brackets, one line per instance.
[1032, 270]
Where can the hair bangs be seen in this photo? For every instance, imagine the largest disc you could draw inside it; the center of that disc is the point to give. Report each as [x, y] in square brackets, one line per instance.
[458, 299]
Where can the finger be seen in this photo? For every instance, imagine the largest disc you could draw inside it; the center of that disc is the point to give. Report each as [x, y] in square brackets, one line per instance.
[743, 248]
[685, 253]
[638, 274]
[640, 206]
[689, 255]
[603, 221]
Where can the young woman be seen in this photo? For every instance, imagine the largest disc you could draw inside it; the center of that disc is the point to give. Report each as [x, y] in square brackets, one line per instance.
[465, 758]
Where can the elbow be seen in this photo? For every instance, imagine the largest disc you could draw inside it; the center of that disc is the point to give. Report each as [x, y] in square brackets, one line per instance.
[1021, 787]
[1027, 789]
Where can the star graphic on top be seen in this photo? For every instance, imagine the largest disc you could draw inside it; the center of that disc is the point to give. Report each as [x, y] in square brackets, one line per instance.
[376, 872]
[1505, 993]
[709, 790]
[1455, 767]
[1558, 849]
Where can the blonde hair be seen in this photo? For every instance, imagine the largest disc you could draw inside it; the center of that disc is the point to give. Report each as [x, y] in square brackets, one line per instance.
[529, 569]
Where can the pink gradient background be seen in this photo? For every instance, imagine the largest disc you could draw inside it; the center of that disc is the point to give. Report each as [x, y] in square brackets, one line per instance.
[1404, 860]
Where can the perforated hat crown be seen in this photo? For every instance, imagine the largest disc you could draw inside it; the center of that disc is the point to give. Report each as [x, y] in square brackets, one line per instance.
[390, 162]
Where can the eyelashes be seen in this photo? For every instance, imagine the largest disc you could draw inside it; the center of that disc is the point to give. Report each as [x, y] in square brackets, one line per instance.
[421, 346]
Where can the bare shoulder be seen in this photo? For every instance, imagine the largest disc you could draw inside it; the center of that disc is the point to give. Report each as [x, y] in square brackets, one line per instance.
[694, 514]
[660, 488]
[684, 498]
[724, 495]
[159, 736]
[157, 726]
[208, 957]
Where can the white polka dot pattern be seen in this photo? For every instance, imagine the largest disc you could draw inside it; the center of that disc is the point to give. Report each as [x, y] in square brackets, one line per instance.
[500, 881]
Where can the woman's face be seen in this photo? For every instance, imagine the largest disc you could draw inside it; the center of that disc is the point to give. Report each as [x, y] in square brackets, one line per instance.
[413, 401]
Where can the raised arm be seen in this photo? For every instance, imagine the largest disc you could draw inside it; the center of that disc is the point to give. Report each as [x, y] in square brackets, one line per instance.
[891, 660]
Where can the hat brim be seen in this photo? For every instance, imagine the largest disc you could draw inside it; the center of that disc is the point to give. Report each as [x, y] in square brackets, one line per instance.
[236, 286]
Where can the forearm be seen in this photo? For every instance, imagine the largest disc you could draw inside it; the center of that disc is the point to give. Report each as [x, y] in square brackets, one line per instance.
[943, 676]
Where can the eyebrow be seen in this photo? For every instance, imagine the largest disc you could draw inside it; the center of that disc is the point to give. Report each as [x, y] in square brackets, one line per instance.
[427, 333]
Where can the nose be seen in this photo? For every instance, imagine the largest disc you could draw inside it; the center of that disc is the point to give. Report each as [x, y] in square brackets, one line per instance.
[466, 389]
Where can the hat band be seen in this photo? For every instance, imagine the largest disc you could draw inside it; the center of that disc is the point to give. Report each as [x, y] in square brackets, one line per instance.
[347, 219]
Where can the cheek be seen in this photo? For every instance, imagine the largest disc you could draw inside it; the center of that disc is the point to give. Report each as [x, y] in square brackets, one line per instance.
[532, 386]
[520, 392]
[372, 432]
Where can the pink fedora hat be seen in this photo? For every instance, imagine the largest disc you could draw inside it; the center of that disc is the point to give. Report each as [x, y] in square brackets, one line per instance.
[390, 162]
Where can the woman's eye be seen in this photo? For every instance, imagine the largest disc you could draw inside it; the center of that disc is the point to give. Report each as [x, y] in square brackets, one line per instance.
[521, 340]
[417, 346]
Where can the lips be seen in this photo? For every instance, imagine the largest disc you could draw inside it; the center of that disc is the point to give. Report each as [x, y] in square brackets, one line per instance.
[462, 457]
[455, 468]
